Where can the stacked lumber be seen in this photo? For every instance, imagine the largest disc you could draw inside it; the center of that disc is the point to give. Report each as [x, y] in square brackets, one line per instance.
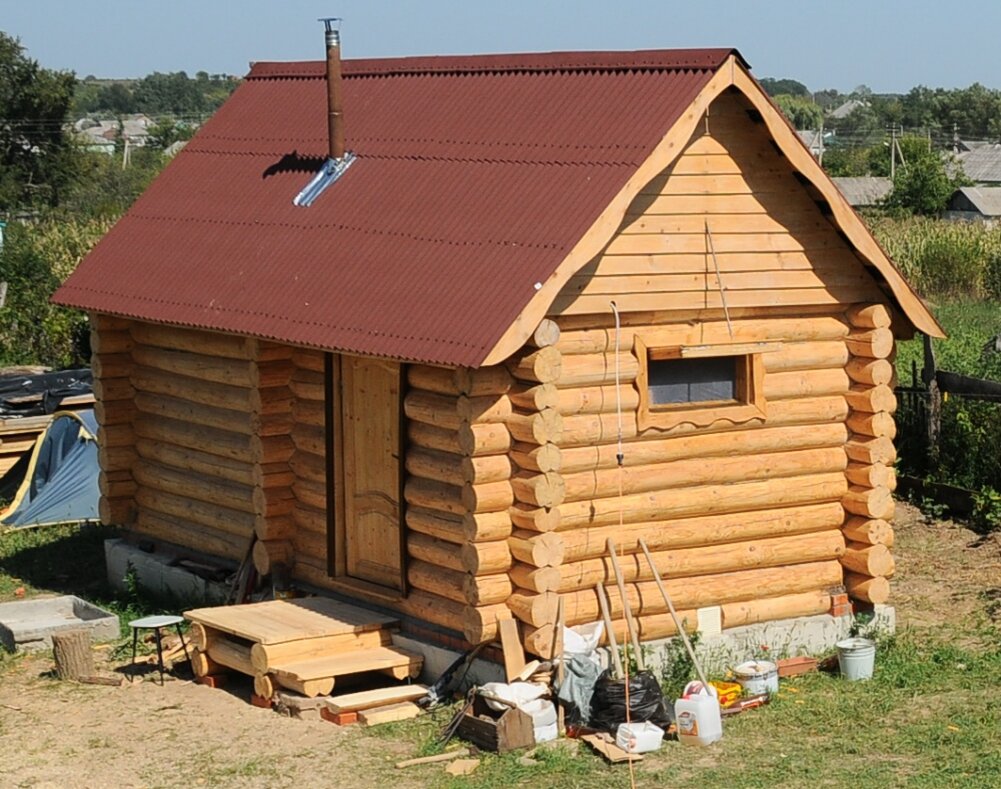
[300, 645]
[458, 492]
[208, 442]
[867, 560]
[744, 516]
[17, 437]
[115, 410]
[308, 463]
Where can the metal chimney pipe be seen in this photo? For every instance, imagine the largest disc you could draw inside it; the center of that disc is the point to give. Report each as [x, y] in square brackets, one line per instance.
[335, 115]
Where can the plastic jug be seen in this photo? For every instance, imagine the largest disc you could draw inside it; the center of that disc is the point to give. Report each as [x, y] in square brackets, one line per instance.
[698, 716]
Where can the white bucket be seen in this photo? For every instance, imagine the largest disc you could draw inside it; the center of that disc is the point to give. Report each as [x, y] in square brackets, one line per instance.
[856, 658]
[639, 737]
[757, 676]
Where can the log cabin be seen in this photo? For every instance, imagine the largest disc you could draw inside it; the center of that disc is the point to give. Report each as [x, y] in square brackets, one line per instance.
[528, 304]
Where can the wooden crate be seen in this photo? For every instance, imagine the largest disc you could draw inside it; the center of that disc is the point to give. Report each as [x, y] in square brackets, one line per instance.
[498, 732]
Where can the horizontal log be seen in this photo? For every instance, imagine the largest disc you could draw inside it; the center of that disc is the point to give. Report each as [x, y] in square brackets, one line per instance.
[220, 518]
[116, 489]
[541, 366]
[459, 529]
[116, 512]
[488, 408]
[307, 385]
[539, 640]
[874, 372]
[438, 380]
[531, 457]
[264, 657]
[194, 340]
[863, 587]
[267, 554]
[540, 427]
[676, 563]
[876, 475]
[546, 333]
[868, 559]
[484, 380]
[704, 500]
[816, 355]
[537, 550]
[805, 383]
[242, 422]
[645, 598]
[869, 316]
[539, 490]
[432, 409]
[308, 519]
[535, 398]
[109, 342]
[437, 580]
[581, 544]
[877, 425]
[210, 490]
[532, 608]
[486, 469]
[869, 502]
[866, 450]
[537, 579]
[311, 494]
[870, 531]
[430, 437]
[435, 551]
[601, 340]
[310, 412]
[278, 522]
[871, 343]
[188, 535]
[234, 372]
[485, 558]
[482, 590]
[771, 609]
[306, 465]
[438, 496]
[605, 483]
[596, 399]
[487, 526]
[597, 369]
[224, 443]
[535, 519]
[108, 390]
[441, 611]
[489, 497]
[307, 359]
[585, 430]
[483, 439]
[434, 465]
[872, 399]
[746, 443]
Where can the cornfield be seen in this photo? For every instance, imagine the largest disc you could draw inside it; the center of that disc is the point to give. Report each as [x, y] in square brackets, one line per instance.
[944, 259]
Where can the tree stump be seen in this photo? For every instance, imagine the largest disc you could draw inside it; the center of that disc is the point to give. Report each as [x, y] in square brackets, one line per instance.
[71, 650]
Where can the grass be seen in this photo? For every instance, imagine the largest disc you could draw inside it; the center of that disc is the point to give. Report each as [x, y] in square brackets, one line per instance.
[969, 324]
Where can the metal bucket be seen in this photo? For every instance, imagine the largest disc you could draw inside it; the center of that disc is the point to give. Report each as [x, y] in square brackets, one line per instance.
[856, 658]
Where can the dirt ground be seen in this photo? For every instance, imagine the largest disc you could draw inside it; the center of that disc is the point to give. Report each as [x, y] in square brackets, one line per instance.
[62, 735]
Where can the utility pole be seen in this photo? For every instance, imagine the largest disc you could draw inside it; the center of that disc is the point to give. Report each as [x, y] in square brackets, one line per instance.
[893, 151]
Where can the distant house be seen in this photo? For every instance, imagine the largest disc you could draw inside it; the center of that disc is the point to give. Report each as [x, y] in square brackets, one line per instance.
[812, 139]
[864, 191]
[975, 203]
[99, 135]
[847, 108]
[982, 165]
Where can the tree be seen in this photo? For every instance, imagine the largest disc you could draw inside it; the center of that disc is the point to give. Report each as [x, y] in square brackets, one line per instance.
[801, 112]
[173, 93]
[36, 156]
[922, 185]
[787, 87]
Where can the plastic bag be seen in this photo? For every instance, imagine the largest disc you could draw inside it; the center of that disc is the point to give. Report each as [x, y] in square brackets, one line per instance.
[646, 702]
[582, 639]
[516, 694]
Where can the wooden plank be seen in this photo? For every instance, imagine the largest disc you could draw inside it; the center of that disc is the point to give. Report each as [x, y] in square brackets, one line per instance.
[389, 714]
[682, 263]
[514, 654]
[809, 221]
[277, 621]
[366, 699]
[653, 243]
[672, 283]
[344, 663]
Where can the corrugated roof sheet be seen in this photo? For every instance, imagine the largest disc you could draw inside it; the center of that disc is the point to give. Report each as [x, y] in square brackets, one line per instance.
[863, 190]
[982, 164]
[475, 177]
[986, 199]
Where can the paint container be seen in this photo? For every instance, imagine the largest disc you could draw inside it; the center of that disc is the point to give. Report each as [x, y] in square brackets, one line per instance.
[698, 715]
[757, 676]
[641, 737]
[856, 658]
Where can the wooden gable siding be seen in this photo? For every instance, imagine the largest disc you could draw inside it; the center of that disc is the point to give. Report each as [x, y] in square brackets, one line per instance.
[773, 244]
[193, 435]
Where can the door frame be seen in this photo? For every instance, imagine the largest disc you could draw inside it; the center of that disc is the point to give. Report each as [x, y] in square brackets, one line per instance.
[335, 462]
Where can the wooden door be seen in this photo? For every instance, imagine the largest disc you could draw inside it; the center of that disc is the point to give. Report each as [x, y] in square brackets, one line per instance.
[371, 471]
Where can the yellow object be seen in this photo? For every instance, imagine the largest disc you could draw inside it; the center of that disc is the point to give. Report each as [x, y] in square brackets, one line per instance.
[728, 692]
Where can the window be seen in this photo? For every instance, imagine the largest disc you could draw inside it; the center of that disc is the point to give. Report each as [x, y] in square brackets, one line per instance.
[700, 385]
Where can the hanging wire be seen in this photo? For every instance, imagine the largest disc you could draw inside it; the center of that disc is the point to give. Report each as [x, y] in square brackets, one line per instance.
[719, 280]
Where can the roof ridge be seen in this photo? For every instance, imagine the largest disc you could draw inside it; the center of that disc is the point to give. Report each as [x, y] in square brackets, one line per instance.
[531, 62]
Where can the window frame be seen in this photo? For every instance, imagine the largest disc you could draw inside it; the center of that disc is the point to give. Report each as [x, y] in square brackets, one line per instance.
[749, 405]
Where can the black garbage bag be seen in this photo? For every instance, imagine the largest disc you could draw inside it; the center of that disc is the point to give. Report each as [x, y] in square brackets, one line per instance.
[646, 702]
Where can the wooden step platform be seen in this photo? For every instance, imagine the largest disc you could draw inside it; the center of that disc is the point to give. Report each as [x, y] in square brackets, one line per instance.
[302, 645]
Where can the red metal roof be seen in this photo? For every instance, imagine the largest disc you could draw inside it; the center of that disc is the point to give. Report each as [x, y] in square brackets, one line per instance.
[475, 177]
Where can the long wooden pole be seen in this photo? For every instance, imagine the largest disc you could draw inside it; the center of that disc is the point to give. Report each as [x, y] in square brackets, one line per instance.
[626, 607]
[674, 614]
[606, 617]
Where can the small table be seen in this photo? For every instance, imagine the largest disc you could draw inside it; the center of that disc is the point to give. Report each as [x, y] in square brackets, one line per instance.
[155, 623]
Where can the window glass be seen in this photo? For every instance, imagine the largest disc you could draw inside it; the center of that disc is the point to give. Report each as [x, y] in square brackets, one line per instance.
[702, 380]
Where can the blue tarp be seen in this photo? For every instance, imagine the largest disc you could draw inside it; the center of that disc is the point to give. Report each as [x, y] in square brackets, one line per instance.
[60, 485]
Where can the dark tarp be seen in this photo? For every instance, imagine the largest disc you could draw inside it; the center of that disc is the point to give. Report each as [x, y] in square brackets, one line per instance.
[60, 482]
[34, 395]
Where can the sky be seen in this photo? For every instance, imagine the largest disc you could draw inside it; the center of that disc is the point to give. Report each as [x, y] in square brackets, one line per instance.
[888, 45]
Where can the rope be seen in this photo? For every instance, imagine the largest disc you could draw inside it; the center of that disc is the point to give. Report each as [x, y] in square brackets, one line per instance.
[620, 461]
[719, 280]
